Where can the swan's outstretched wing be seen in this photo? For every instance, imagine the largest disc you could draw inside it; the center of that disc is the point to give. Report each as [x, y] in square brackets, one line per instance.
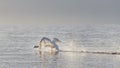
[45, 42]
[54, 42]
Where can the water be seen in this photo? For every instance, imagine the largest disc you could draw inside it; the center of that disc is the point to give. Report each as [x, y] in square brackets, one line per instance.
[17, 42]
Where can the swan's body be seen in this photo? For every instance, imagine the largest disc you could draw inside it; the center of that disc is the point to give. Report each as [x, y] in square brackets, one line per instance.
[47, 45]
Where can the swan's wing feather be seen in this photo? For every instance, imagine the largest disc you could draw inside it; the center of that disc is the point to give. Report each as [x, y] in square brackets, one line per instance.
[56, 39]
[45, 39]
[45, 42]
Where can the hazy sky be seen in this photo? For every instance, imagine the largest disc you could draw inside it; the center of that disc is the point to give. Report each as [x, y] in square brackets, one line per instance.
[59, 11]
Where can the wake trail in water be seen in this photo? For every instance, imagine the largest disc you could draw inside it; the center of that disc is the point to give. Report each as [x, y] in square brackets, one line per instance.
[112, 53]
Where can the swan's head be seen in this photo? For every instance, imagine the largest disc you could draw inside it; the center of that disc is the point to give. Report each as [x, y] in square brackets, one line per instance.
[56, 40]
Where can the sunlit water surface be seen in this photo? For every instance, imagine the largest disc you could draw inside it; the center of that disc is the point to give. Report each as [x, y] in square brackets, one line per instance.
[17, 42]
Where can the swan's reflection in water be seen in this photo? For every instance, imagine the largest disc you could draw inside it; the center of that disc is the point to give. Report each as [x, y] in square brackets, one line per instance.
[46, 55]
[48, 59]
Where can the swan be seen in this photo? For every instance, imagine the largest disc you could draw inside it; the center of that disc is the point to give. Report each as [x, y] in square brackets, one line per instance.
[47, 45]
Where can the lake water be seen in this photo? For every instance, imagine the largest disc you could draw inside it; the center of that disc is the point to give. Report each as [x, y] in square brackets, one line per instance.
[17, 42]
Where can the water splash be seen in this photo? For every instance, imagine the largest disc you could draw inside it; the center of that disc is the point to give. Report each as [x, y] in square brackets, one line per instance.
[71, 46]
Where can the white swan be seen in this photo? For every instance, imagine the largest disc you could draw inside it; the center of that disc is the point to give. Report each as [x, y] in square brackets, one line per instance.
[47, 45]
